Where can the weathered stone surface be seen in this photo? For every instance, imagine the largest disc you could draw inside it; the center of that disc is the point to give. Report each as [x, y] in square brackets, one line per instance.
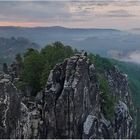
[9, 107]
[16, 120]
[69, 97]
[72, 107]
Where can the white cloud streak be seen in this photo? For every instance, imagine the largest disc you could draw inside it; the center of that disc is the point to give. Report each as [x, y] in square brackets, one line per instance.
[133, 57]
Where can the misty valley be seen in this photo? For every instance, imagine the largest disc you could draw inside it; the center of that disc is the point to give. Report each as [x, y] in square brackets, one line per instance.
[65, 91]
[70, 69]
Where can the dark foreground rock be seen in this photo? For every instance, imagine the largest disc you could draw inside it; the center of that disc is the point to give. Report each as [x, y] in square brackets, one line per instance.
[70, 106]
[16, 120]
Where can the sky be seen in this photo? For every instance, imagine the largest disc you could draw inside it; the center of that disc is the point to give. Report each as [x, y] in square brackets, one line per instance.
[118, 14]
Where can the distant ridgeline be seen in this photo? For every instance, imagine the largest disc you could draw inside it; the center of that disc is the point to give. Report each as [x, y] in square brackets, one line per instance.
[106, 42]
[65, 94]
[9, 47]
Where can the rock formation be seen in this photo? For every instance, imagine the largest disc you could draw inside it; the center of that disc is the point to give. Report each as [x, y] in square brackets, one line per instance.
[73, 102]
[16, 119]
[70, 106]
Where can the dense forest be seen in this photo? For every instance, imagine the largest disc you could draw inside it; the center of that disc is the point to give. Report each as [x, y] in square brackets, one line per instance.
[36, 65]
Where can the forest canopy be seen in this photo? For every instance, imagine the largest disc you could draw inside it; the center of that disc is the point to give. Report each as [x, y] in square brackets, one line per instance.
[36, 65]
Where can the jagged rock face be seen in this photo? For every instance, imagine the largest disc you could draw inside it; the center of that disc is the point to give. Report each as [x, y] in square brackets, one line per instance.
[16, 120]
[72, 102]
[70, 106]
[71, 93]
[9, 107]
[118, 84]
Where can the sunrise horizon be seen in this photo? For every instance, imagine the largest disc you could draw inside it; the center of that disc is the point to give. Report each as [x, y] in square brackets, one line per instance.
[61, 26]
[79, 14]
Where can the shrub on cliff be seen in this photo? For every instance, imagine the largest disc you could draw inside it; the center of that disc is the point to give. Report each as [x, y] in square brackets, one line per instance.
[108, 101]
[100, 62]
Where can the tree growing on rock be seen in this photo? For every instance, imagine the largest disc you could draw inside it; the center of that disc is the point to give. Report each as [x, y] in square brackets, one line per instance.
[37, 65]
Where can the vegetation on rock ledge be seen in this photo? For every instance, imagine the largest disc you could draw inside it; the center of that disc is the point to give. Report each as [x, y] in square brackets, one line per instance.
[37, 65]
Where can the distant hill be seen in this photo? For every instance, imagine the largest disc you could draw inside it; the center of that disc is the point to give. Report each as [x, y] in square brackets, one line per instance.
[106, 42]
[9, 47]
[45, 35]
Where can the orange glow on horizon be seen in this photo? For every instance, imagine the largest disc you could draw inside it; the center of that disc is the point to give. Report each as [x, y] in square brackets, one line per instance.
[21, 24]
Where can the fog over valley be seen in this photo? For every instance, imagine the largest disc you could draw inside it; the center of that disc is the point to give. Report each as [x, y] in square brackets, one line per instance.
[118, 44]
[70, 69]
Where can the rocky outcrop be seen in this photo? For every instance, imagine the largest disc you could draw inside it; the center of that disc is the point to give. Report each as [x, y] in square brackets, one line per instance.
[70, 106]
[16, 119]
[9, 107]
[73, 102]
